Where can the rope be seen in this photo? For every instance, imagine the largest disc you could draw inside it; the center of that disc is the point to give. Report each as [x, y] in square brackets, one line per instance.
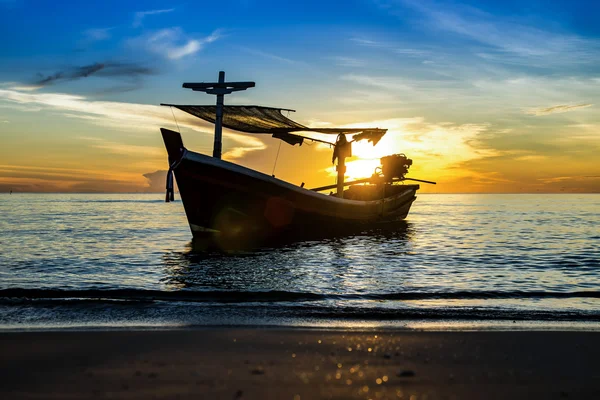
[276, 158]
[278, 149]
[170, 189]
[178, 130]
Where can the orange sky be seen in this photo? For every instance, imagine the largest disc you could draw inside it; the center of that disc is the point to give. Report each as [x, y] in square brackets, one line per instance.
[60, 142]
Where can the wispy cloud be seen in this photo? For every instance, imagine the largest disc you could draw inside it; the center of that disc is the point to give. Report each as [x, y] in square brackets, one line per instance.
[128, 71]
[20, 107]
[27, 178]
[132, 117]
[567, 178]
[396, 48]
[561, 108]
[503, 37]
[173, 43]
[367, 42]
[390, 88]
[122, 148]
[78, 174]
[365, 97]
[349, 62]
[26, 88]
[390, 83]
[571, 183]
[268, 55]
[239, 152]
[129, 149]
[139, 16]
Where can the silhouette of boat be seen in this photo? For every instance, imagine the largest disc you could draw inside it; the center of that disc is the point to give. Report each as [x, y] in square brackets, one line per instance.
[232, 206]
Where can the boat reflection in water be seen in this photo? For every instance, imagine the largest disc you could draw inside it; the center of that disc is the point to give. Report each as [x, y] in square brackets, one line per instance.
[231, 207]
[334, 265]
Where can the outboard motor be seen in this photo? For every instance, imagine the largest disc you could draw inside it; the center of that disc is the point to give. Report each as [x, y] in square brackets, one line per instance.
[395, 166]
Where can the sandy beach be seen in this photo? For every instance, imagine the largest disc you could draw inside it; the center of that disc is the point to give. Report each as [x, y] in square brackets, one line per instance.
[278, 363]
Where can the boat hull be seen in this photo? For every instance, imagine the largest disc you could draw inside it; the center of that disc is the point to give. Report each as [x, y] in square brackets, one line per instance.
[236, 207]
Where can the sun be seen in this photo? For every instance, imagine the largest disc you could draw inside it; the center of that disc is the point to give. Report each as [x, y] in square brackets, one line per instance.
[361, 168]
[365, 159]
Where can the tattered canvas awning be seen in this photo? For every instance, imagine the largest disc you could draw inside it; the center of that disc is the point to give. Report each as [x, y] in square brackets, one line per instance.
[270, 120]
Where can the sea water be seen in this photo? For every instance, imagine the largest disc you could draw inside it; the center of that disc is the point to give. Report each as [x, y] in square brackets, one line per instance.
[466, 260]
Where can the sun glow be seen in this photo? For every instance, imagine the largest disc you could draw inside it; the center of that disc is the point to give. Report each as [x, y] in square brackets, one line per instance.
[366, 157]
[434, 147]
[360, 168]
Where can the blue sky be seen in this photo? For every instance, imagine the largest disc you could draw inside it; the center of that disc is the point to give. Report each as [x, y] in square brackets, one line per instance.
[479, 91]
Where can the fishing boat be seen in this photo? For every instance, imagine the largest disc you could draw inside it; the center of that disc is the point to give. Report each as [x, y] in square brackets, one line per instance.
[230, 206]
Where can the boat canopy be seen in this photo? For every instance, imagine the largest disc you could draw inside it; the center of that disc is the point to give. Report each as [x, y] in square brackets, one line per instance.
[270, 120]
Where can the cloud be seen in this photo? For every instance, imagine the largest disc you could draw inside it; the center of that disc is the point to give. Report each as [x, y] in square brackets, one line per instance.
[556, 109]
[390, 83]
[157, 181]
[26, 87]
[190, 47]
[349, 62]
[173, 43]
[392, 47]
[132, 117]
[248, 144]
[394, 89]
[466, 94]
[139, 16]
[367, 42]
[21, 178]
[567, 178]
[19, 107]
[268, 55]
[108, 70]
[127, 149]
[33, 185]
[504, 38]
[362, 97]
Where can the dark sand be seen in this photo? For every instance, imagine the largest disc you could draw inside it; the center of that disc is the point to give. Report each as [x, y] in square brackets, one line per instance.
[244, 363]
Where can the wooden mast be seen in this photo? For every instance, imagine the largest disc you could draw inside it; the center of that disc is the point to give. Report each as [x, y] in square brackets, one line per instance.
[220, 89]
[341, 170]
[342, 149]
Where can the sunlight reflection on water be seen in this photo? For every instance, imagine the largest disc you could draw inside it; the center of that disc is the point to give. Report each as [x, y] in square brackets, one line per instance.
[449, 243]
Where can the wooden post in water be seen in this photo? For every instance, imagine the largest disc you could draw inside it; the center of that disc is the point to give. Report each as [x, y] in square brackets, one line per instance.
[220, 89]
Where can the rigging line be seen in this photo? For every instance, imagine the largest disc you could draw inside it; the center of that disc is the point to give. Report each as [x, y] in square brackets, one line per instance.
[276, 158]
[278, 149]
[178, 130]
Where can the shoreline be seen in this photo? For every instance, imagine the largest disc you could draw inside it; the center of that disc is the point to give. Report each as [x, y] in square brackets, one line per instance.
[298, 363]
[326, 325]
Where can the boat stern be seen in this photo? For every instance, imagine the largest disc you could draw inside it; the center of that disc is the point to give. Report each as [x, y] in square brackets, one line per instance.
[173, 143]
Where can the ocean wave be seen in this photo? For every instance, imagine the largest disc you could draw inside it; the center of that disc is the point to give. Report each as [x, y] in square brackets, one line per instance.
[24, 294]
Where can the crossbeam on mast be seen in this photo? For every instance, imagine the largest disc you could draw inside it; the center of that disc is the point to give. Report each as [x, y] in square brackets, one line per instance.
[220, 89]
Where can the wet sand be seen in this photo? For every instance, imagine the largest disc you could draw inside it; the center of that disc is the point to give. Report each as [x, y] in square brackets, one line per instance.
[263, 363]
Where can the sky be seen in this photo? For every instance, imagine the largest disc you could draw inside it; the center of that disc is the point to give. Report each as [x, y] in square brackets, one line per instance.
[483, 96]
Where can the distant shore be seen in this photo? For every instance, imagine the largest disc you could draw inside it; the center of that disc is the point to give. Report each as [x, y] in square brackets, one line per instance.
[287, 363]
